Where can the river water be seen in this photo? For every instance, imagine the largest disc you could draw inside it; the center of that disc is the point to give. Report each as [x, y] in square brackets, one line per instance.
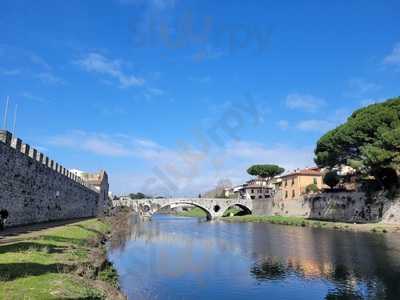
[189, 258]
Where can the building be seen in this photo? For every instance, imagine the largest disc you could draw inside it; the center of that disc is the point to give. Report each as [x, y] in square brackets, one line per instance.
[99, 181]
[295, 184]
[229, 192]
[258, 188]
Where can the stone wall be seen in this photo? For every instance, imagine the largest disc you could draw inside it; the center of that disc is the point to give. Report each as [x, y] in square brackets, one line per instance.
[392, 214]
[343, 206]
[262, 207]
[35, 189]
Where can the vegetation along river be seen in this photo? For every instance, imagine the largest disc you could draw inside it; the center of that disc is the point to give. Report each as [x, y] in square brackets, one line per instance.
[189, 258]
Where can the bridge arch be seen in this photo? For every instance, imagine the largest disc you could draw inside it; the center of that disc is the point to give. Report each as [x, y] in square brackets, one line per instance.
[214, 207]
[208, 213]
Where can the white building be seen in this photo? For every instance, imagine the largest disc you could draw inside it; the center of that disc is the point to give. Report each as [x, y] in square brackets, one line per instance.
[258, 188]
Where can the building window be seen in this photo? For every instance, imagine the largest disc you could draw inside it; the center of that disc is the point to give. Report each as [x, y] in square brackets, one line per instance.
[285, 182]
[293, 194]
[286, 194]
[260, 197]
[252, 191]
[252, 197]
[315, 180]
[292, 181]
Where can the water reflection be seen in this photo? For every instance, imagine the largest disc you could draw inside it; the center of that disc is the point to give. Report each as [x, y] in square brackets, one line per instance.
[184, 258]
[359, 265]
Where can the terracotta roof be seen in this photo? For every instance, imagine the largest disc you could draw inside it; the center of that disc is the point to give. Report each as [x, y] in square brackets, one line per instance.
[305, 172]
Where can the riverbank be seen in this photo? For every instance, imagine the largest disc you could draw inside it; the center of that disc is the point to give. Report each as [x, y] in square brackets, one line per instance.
[197, 212]
[65, 262]
[303, 222]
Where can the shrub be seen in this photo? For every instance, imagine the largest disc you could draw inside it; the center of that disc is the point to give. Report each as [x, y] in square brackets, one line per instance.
[312, 188]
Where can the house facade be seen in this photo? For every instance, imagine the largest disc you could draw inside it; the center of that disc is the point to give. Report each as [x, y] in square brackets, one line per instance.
[295, 184]
[259, 188]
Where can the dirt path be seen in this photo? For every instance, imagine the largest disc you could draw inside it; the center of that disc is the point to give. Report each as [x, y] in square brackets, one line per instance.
[15, 234]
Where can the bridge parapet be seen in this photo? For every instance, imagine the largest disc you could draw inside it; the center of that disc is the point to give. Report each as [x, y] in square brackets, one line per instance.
[214, 207]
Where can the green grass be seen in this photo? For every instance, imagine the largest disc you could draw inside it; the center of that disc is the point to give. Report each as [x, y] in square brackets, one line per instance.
[231, 210]
[197, 212]
[303, 222]
[44, 266]
[297, 221]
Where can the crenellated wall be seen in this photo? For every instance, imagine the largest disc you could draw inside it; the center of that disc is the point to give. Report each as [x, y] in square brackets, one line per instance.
[35, 188]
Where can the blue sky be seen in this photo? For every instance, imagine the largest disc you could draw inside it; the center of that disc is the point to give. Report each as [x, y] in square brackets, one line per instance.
[174, 96]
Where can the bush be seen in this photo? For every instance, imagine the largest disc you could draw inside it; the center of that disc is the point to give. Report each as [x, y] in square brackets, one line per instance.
[312, 188]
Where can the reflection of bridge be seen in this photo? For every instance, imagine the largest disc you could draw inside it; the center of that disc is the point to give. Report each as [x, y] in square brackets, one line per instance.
[214, 207]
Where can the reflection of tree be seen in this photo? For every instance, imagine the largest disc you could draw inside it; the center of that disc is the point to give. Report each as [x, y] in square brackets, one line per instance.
[360, 266]
[340, 273]
[269, 270]
[351, 265]
[344, 294]
[122, 230]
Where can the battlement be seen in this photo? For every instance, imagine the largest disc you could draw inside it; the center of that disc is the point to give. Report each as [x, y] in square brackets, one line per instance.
[7, 138]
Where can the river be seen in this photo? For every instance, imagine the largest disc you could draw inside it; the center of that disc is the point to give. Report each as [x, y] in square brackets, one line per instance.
[189, 258]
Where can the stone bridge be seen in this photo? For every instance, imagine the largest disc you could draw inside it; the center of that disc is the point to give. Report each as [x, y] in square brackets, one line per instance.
[214, 207]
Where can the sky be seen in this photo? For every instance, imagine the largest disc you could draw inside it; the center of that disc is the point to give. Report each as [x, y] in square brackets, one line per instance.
[173, 97]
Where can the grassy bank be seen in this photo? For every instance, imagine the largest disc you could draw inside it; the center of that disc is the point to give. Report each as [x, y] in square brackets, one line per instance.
[299, 221]
[66, 262]
[197, 212]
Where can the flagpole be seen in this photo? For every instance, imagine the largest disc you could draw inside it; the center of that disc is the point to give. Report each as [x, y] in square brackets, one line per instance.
[15, 119]
[5, 114]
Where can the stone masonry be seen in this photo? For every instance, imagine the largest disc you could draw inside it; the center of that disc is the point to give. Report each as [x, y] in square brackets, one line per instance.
[34, 188]
[214, 207]
[339, 206]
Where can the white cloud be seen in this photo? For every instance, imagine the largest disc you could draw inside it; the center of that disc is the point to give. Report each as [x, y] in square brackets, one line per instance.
[249, 153]
[359, 87]
[207, 53]
[187, 169]
[150, 93]
[370, 101]
[30, 96]
[394, 57]
[10, 72]
[97, 63]
[156, 4]
[99, 144]
[304, 102]
[283, 124]
[316, 125]
[204, 79]
[36, 59]
[49, 78]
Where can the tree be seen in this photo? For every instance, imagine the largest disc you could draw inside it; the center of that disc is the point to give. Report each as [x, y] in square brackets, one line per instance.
[137, 196]
[265, 171]
[311, 188]
[369, 140]
[331, 179]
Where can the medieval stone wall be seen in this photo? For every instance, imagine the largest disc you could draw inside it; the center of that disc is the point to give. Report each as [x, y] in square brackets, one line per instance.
[341, 206]
[35, 189]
